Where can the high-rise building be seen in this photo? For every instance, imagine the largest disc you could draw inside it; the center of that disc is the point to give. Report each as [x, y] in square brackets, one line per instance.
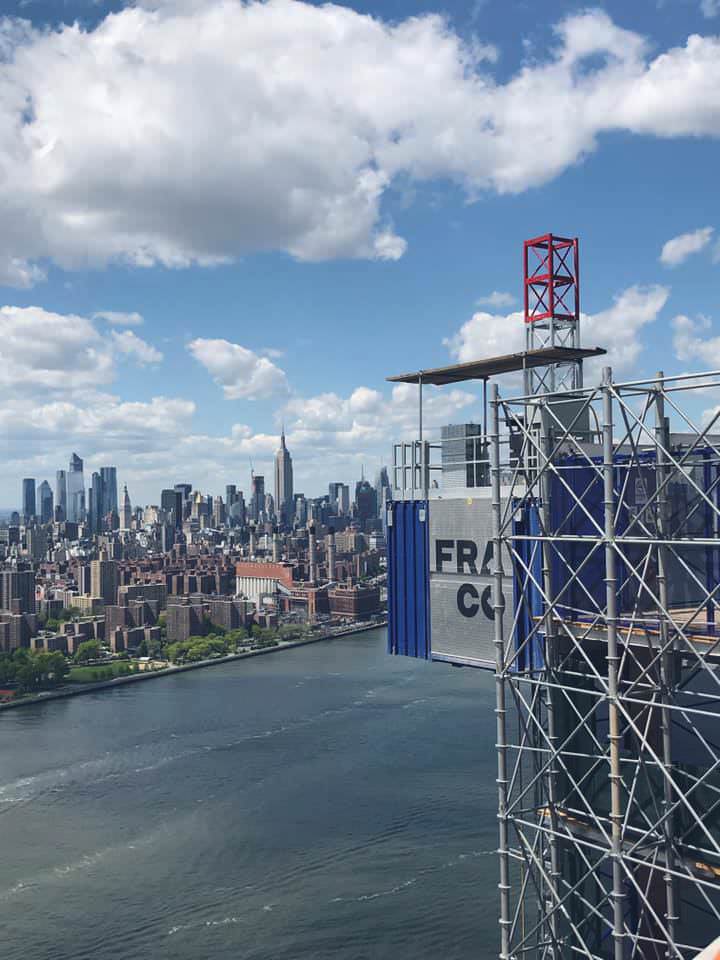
[230, 495]
[465, 456]
[17, 590]
[171, 501]
[340, 498]
[96, 503]
[384, 494]
[257, 502]
[104, 579]
[45, 502]
[28, 499]
[184, 489]
[365, 500]
[125, 510]
[218, 512]
[283, 480]
[237, 511]
[75, 490]
[61, 496]
[108, 475]
[36, 543]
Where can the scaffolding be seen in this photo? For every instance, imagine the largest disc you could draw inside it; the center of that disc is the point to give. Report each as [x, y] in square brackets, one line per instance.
[607, 682]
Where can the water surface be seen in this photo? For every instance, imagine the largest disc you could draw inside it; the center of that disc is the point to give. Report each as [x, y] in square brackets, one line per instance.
[322, 803]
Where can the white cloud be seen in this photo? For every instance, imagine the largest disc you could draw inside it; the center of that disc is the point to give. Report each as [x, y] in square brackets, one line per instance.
[487, 335]
[677, 250]
[44, 350]
[689, 343]
[617, 329]
[117, 319]
[180, 132]
[242, 374]
[129, 344]
[496, 299]
[369, 421]
[710, 8]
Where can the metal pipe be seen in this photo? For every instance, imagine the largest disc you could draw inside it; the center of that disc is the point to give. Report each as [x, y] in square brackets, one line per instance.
[666, 662]
[616, 816]
[500, 711]
[545, 446]
[420, 410]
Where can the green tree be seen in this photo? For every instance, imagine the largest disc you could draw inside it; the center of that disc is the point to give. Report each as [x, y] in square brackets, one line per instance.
[87, 650]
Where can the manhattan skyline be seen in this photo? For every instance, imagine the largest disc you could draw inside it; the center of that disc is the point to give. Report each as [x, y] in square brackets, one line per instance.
[171, 325]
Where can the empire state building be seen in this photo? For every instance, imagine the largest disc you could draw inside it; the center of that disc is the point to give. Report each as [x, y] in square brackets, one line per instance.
[283, 480]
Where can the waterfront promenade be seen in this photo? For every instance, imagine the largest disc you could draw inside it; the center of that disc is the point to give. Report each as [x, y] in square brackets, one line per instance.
[75, 690]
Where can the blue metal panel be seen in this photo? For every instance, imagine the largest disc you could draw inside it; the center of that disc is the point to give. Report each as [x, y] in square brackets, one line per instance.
[408, 580]
[526, 595]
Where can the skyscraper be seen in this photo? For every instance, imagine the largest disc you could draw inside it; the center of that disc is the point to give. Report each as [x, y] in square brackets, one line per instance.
[283, 480]
[384, 493]
[126, 510]
[171, 501]
[365, 500]
[96, 503]
[257, 503]
[45, 502]
[17, 590]
[28, 499]
[61, 495]
[75, 490]
[108, 475]
[104, 579]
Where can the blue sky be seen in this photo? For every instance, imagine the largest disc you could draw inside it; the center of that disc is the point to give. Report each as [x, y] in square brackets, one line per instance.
[137, 177]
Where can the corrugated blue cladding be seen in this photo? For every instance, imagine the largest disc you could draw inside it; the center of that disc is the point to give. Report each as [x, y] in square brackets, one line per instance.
[408, 580]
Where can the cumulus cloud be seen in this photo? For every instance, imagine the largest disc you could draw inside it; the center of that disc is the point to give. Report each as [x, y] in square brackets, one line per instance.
[46, 351]
[242, 374]
[618, 329]
[678, 249]
[41, 349]
[691, 342]
[128, 343]
[117, 319]
[368, 420]
[179, 132]
[497, 298]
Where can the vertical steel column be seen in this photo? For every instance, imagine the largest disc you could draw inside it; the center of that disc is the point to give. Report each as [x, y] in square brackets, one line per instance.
[666, 660]
[550, 666]
[576, 266]
[612, 664]
[500, 712]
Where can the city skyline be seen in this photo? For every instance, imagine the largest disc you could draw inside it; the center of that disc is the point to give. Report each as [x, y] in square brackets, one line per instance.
[102, 497]
[232, 302]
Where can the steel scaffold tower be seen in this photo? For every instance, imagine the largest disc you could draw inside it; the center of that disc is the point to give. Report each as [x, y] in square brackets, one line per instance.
[551, 294]
[607, 682]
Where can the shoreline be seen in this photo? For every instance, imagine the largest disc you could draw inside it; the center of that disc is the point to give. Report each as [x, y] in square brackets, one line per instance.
[173, 669]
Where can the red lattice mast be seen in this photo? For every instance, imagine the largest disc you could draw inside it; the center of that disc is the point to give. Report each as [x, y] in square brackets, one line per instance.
[551, 268]
[551, 292]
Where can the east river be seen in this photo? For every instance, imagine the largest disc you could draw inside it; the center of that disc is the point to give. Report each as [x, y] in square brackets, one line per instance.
[322, 803]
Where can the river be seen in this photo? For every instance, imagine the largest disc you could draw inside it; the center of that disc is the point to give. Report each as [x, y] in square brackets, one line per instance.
[322, 803]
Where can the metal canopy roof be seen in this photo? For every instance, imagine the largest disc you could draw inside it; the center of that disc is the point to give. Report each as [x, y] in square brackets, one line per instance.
[511, 362]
